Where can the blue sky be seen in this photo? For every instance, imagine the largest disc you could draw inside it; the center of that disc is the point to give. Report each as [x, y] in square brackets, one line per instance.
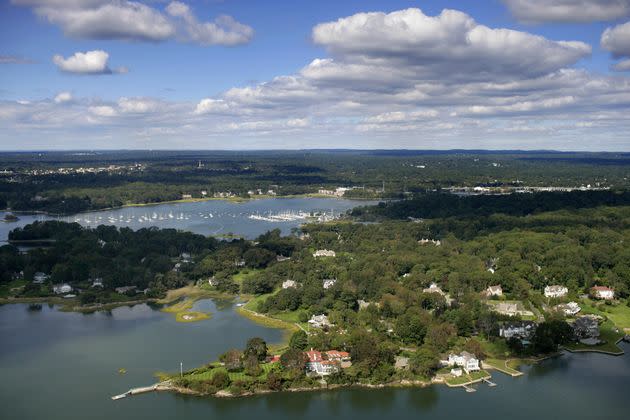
[174, 76]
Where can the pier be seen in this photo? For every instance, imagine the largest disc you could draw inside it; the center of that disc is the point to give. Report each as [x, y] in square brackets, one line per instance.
[469, 388]
[136, 391]
[489, 382]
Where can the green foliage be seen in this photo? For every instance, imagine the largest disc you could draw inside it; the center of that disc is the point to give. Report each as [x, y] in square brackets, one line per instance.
[298, 340]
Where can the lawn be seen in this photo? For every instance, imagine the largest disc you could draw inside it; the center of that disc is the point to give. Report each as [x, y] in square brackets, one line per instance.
[619, 314]
[607, 334]
[503, 366]
[466, 378]
[239, 277]
[191, 316]
[234, 376]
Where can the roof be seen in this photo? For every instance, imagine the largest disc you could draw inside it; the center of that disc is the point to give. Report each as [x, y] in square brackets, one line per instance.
[314, 356]
[602, 288]
[337, 353]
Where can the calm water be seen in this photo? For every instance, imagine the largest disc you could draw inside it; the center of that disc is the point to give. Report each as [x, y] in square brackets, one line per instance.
[64, 366]
[211, 217]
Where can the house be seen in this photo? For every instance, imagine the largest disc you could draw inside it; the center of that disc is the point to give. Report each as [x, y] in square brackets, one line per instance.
[364, 304]
[523, 330]
[433, 288]
[60, 289]
[425, 241]
[568, 309]
[494, 291]
[328, 283]
[281, 258]
[39, 277]
[324, 253]
[509, 308]
[290, 284]
[186, 196]
[602, 292]
[97, 282]
[325, 363]
[586, 327]
[555, 291]
[185, 257]
[274, 359]
[465, 360]
[319, 321]
[125, 289]
[212, 281]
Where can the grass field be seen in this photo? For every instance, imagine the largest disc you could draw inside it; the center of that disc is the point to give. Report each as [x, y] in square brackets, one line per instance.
[505, 366]
[234, 376]
[619, 314]
[191, 316]
[607, 334]
[468, 378]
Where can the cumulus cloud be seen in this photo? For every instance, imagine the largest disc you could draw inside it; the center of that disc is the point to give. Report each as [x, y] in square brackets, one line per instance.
[89, 62]
[137, 105]
[209, 105]
[450, 43]
[617, 41]
[223, 31]
[103, 111]
[131, 20]
[539, 11]
[63, 97]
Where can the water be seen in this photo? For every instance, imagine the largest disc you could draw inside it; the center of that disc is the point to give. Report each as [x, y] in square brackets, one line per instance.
[211, 217]
[58, 365]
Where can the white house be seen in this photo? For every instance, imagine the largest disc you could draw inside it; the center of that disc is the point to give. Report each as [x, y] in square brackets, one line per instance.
[602, 292]
[60, 289]
[316, 363]
[97, 282]
[465, 360]
[324, 253]
[39, 277]
[319, 321]
[289, 284]
[555, 291]
[433, 288]
[425, 241]
[568, 309]
[494, 290]
[328, 283]
[523, 329]
[212, 281]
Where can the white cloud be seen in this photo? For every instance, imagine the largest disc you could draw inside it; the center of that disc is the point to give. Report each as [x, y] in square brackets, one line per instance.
[63, 97]
[103, 111]
[617, 41]
[89, 62]
[209, 105]
[223, 31]
[538, 11]
[131, 20]
[450, 44]
[137, 105]
[622, 65]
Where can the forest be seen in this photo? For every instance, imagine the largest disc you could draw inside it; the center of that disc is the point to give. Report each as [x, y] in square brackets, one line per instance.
[33, 181]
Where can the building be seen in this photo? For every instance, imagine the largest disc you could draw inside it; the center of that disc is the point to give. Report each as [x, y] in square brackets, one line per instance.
[317, 364]
[186, 196]
[319, 321]
[212, 281]
[569, 309]
[324, 253]
[425, 241]
[465, 360]
[602, 292]
[338, 356]
[60, 289]
[125, 289]
[586, 327]
[523, 330]
[97, 282]
[281, 258]
[39, 277]
[494, 290]
[328, 283]
[289, 284]
[555, 291]
[433, 288]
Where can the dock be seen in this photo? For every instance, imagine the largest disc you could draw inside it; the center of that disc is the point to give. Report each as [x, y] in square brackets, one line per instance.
[136, 391]
[469, 388]
[489, 382]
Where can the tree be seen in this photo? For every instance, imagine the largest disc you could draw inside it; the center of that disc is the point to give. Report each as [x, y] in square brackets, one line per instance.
[220, 380]
[550, 334]
[293, 359]
[440, 336]
[257, 348]
[274, 381]
[424, 362]
[232, 359]
[474, 346]
[299, 340]
[252, 367]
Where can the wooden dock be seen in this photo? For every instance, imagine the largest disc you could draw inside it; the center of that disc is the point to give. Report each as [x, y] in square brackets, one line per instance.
[136, 391]
[490, 383]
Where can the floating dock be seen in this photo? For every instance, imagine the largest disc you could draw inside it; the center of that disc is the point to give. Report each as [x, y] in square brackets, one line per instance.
[136, 391]
[490, 383]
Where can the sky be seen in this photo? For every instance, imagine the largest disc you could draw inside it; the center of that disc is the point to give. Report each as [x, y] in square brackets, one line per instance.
[364, 74]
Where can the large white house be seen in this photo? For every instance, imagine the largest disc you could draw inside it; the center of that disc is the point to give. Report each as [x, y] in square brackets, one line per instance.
[465, 360]
[319, 321]
[289, 284]
[494, 290]
[328, 283]
[555, 291]
[602, 292]
[60, 289]
[325, 364]
[568, 309]
[39, 277]
[324, 253]
[522, 329]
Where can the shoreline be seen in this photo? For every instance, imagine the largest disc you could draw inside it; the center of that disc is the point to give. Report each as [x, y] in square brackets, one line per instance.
[187, 200]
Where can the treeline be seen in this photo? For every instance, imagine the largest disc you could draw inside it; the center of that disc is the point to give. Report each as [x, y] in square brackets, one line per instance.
[440, 205]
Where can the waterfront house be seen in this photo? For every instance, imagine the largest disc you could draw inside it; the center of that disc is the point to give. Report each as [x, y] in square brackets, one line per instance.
[521, 329]
[39, 277]
[322, 363]
[186, 196]
[125, 289]
[465, 360]
[494, 291]
[602, 292]
[338, 356]
[319, 321]
[555, 291]
[324, 253]
[586, 327]
[60, 289]
[289, 284]
[328, 283]
[569, 309]
[97, 282]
